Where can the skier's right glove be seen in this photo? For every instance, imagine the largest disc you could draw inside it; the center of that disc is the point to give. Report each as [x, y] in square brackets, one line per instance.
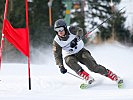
[62, 69]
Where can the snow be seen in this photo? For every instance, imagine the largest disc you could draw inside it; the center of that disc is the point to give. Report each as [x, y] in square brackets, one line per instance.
[49, 84]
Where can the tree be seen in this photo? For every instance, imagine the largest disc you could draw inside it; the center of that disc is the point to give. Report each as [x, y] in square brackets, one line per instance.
[41, 33]
[16, 19]
[2, 2]
[97, 12]
[122, 34]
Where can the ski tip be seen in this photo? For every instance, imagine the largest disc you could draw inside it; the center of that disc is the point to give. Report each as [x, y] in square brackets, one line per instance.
[83, 86]
[120, 84]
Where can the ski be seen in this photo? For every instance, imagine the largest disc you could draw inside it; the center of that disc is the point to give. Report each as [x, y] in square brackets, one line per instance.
[120, 85]
[84, 86]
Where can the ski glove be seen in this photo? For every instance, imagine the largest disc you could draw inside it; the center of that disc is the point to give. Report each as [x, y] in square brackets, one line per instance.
[62, 69]
[73, 43]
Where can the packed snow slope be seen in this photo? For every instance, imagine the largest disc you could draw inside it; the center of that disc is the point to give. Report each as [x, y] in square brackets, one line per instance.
[49, 84]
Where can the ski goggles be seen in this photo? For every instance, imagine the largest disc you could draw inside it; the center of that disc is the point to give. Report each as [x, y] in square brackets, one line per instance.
[59, 29]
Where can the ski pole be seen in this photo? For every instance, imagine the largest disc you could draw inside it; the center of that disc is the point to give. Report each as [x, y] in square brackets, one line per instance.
[75, 75]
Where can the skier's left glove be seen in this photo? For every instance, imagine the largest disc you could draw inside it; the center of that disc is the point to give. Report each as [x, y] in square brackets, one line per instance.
[73, 43]
[62, 69]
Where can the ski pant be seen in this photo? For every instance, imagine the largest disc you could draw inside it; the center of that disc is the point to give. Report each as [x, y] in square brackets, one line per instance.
[84, 57]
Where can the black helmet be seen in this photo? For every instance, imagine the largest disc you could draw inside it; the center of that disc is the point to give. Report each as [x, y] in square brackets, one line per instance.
[60, 23]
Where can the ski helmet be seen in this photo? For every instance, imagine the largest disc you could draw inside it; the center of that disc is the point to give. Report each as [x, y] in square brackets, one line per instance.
[60, 23]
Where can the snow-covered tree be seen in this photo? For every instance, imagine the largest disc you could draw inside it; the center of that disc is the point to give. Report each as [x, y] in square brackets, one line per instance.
[96, 11]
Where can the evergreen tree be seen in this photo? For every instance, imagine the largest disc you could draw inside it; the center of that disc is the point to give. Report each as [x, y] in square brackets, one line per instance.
[16, 16]
[98, 11]
[132, 39]
[116, 28]
[2, 4]
[41, 33]
[122, 34]
[16, 13]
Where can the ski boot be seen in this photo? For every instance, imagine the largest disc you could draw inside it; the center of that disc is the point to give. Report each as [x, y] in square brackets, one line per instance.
[116, 78]
[89, 80]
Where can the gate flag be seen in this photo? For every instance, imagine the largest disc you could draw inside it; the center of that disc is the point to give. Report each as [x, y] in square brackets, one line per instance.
[18, 37]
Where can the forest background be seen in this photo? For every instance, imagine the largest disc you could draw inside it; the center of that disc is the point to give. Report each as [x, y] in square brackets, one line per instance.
[84, 13]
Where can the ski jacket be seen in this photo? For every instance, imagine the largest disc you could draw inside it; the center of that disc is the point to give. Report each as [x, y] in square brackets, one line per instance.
[61, 46]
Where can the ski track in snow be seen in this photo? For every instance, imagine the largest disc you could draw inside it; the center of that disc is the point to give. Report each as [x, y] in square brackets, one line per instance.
[47, 83]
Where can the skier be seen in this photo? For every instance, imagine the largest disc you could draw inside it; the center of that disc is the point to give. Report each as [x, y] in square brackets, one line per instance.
[68, 44]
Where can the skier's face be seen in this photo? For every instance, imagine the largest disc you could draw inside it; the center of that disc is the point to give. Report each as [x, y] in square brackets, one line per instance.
[61, 31]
